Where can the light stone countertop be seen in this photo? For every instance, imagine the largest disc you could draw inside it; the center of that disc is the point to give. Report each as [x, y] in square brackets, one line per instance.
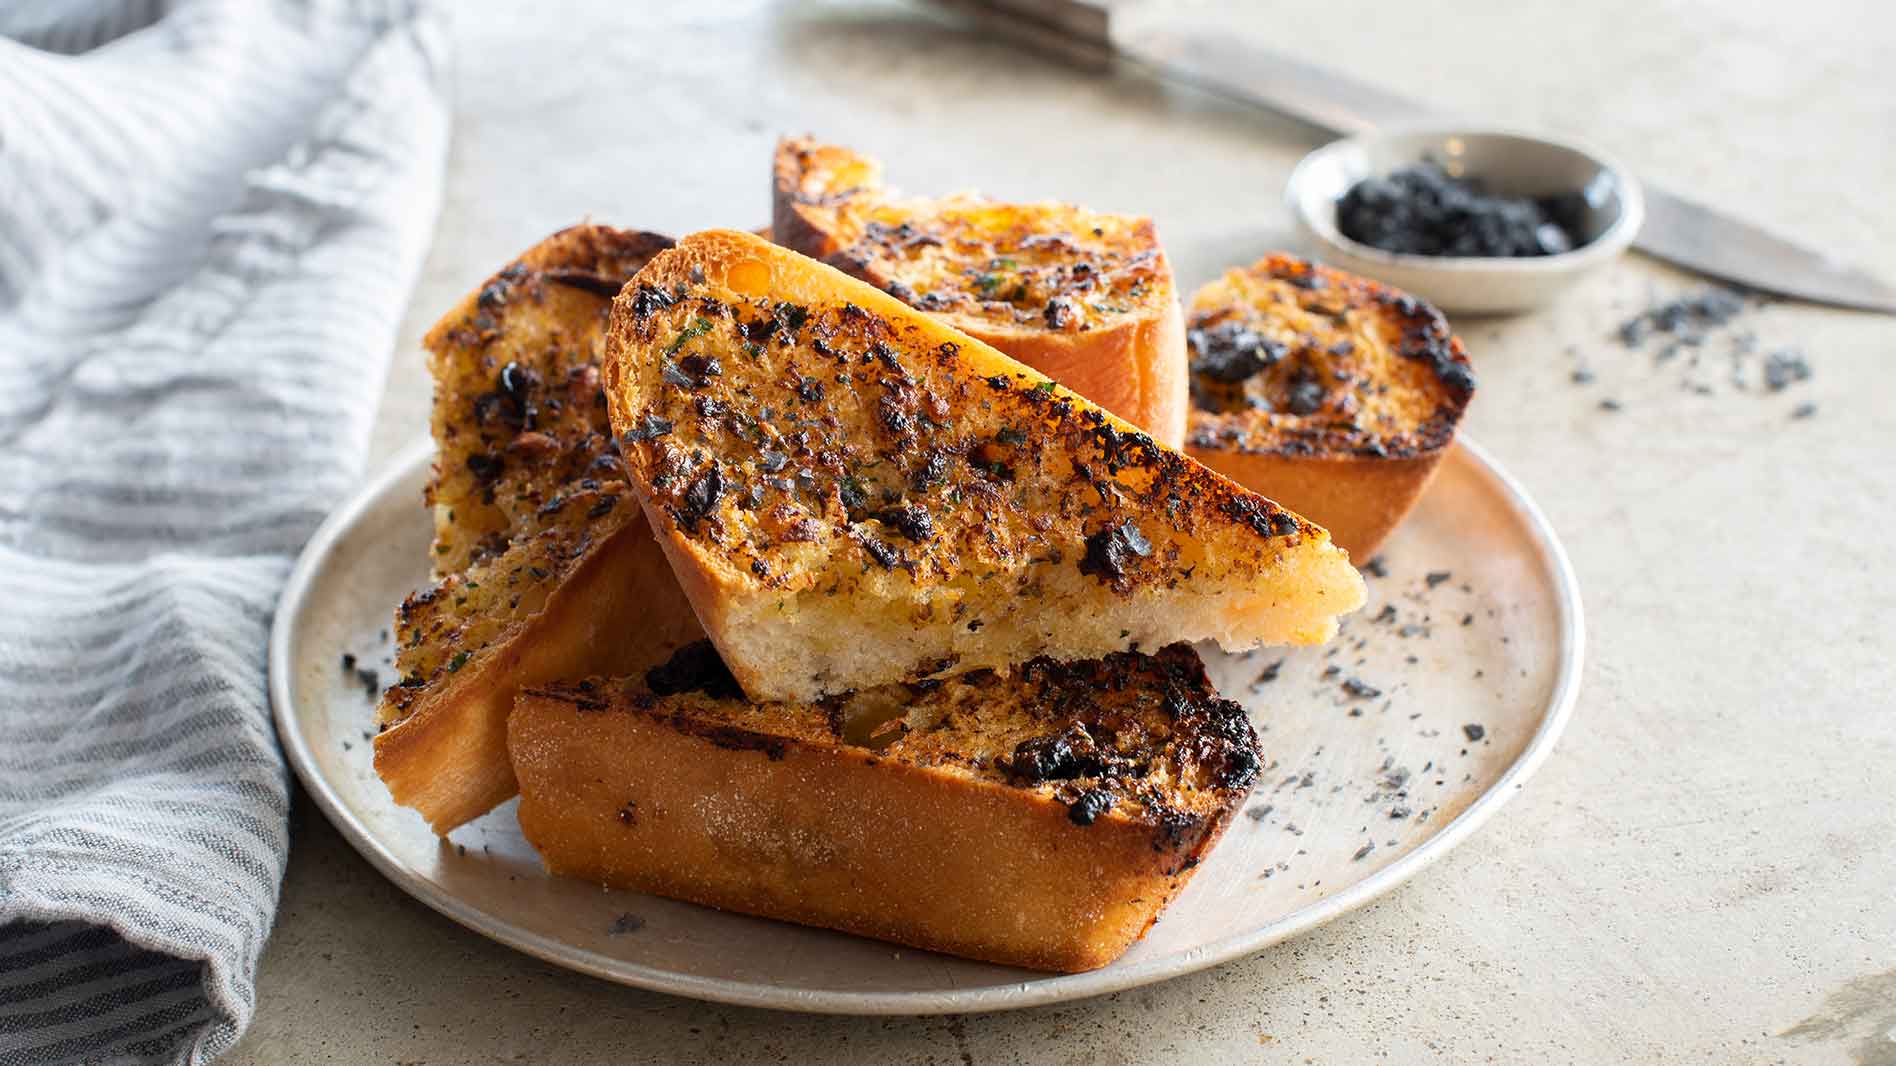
[1705, 871]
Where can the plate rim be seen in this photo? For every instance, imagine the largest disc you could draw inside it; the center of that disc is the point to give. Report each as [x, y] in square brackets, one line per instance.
[1034, 989]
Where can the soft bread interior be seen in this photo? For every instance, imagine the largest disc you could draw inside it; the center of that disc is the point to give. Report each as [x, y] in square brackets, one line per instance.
[873, 633]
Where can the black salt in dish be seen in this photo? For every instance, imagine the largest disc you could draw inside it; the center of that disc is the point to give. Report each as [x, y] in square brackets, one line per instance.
[1422, 209]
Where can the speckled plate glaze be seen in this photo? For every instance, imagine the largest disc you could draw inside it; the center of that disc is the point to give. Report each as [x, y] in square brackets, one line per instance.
[1385, 748]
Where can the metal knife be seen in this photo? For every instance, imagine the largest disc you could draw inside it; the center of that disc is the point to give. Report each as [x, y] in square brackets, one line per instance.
[1679, 230]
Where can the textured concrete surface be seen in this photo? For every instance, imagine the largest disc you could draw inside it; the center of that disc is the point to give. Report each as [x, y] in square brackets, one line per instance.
[1702, 873]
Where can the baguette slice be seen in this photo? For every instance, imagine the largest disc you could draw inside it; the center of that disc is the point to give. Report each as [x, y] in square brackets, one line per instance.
[1040, 820]
[851, 493]
[548, 569]
[1083, 297]
[1326, 391]
[517, 415]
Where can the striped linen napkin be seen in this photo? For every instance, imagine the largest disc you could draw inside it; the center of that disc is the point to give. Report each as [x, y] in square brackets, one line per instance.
[211, 214]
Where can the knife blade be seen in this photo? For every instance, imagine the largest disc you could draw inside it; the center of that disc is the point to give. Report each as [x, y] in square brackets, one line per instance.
[1677, 229]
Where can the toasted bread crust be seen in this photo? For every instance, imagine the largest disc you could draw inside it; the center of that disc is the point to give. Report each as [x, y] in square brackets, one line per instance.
[1039, 856]
[1329, 392]
[1362, 500]
[797, 436]
[546, 561]
[618, 611]
[1083, 297]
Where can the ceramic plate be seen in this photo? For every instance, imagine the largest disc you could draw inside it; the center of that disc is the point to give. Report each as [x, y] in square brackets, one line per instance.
[1385, 748]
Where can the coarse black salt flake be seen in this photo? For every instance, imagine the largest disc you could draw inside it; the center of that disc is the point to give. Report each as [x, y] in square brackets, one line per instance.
[701, 496]
[1059, 756]
[673, 375]
[1232, 352]
[1785, 368]
[1087, 808]
[885, 556]
[1422, 209]
[649, 427]
[485, 467]
[915, 523]
[1110, 551]
[1358, 689]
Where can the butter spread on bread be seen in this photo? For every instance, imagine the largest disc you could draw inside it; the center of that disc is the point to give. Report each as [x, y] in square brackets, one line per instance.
[852, 493]
[1330, 393]
[1084, 297]
[1041, 819]
[547, 568]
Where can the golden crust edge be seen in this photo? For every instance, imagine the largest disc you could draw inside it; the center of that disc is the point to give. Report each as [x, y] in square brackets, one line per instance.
[447, 759]
[581, 769]
[1359, 500]
[1148, 348]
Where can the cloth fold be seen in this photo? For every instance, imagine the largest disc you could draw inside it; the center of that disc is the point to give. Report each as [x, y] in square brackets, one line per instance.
[211, 215]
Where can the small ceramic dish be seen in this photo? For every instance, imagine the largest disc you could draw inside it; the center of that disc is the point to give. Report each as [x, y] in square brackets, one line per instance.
[1510, 163]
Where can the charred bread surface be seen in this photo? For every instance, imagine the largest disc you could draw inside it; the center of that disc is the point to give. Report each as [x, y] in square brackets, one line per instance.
[1084, 297]
[1330, 393]
[546, 566]
[518, 415]
[1042, 819]
[852, 493]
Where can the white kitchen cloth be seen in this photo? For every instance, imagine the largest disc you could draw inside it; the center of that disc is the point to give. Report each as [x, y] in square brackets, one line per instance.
[211, 214]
